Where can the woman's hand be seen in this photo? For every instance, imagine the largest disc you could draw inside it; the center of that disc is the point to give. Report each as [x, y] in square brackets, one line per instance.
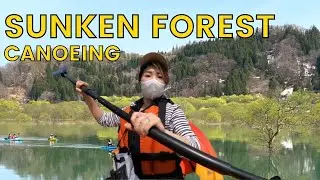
[79, 84]
[142, 122]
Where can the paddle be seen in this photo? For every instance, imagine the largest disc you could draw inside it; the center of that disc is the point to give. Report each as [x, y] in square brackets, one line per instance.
[180, 147]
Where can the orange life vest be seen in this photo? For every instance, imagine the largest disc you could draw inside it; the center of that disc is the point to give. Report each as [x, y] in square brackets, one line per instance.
[154, 160]
[150, 158]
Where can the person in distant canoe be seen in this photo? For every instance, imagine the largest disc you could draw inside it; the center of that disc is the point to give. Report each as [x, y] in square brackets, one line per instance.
[14, 136]
[153, 109]
[110, 143]
[51, 136]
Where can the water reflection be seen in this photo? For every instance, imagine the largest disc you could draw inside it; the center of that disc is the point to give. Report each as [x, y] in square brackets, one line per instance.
[57, 163]
[301, 163]
[72, 163]
[52, 142]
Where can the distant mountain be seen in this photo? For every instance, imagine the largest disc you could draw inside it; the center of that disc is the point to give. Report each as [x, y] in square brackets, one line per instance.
[289, 57]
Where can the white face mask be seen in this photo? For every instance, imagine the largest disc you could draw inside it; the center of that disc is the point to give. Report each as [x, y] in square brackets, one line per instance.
[152, 88]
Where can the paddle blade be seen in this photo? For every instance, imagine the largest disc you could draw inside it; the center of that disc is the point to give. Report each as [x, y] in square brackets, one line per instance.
[62, 70]
[206, 174]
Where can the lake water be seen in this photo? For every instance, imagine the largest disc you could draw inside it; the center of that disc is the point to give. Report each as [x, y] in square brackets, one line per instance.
[77, 154]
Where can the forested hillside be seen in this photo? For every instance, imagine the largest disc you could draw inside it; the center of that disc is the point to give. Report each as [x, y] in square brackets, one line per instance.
[289, 57]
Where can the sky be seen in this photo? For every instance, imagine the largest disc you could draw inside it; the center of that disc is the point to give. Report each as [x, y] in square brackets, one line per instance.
[303, 13]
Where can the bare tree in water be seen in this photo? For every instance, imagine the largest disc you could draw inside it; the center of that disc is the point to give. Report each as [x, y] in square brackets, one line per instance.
[268, 116]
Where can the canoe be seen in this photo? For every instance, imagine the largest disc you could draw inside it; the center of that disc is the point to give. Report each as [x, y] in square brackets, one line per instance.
[52, 139]
[15, 139]
[206, 146]
[109, 148]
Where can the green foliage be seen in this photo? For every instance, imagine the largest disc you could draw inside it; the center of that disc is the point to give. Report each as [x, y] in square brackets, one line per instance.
[299, 109]
[214, 102]
[268, 116]
[227, 112]
[214, 116]
[196, 102]
[121, 101]
[185, 105]
[9, 109]
[38, 109]
[241, 98]
[23, 117]
[261, 112]
[39, 102]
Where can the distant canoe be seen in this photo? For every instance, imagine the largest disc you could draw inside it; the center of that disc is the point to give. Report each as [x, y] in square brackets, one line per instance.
[109, 148]
[13, 139]
[52, 139]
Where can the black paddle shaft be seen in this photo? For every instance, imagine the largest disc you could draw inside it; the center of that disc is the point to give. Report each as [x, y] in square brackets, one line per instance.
[181, 148]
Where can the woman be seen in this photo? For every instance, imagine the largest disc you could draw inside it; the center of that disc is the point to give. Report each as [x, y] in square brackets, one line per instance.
[153, 109]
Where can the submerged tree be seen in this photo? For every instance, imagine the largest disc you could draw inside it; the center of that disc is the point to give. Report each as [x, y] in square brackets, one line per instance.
[270, 115]
[265, 116]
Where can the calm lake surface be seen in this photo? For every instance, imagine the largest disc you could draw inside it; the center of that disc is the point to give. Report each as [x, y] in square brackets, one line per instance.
[78, 154]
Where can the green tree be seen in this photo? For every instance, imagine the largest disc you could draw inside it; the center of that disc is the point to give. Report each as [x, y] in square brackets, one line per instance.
[316, 82]
[264, 116]
[318, 65]
[273, 83]
[236, 82]
[9, 109]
